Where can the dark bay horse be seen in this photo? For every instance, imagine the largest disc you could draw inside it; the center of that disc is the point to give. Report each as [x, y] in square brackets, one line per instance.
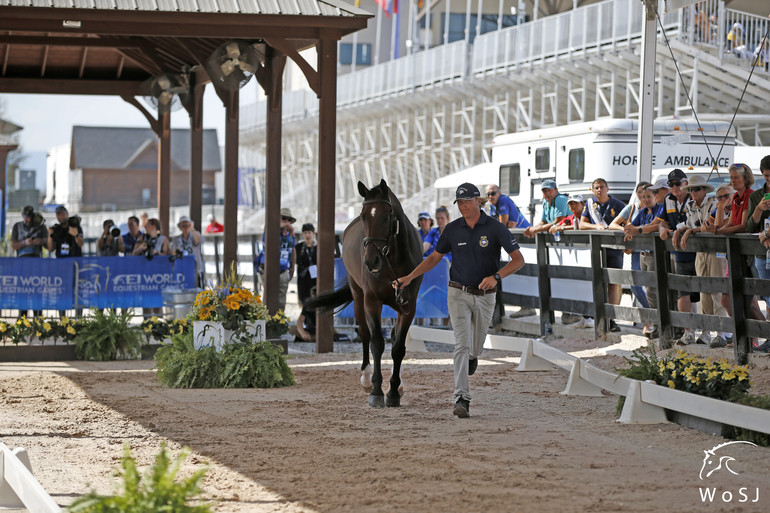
[378, 246]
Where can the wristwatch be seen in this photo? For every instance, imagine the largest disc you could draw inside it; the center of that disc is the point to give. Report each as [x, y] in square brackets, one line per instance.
[497, 277]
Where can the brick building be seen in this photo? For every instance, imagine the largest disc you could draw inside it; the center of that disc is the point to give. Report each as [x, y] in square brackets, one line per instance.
[113, 168]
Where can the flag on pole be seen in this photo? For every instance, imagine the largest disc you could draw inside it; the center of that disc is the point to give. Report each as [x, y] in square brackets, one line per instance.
[357, 3]
[388, 6]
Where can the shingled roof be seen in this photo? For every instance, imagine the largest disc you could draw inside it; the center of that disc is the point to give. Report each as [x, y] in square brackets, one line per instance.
[95, 147]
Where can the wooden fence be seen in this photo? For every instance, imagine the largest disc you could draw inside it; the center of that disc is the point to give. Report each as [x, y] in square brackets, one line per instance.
[739, 286]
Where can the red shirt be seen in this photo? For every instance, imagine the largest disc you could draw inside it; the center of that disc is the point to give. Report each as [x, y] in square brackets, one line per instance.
[739, 206]
[567, 221]
[215, 227]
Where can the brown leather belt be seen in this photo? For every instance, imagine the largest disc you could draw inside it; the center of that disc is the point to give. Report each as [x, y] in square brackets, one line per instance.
[471, 290]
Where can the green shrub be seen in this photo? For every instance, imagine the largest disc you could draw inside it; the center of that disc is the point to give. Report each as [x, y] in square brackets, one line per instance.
[643, 366]
[738, 433]
[103, 337]
[156, 491]
[242, 364]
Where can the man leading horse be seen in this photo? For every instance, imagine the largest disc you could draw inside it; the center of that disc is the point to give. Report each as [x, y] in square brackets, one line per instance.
[475, 240]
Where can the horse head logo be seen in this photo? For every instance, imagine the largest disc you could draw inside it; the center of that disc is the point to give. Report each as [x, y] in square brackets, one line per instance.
[713, 461]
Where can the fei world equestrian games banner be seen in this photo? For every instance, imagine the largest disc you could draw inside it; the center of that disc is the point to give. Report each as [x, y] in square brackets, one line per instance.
[84, 282]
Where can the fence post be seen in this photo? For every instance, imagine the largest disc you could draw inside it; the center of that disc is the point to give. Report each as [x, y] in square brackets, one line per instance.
[736, 263]
[598, 285]
[254, 259]
[216, 259]
[662, 258]
[543, 282]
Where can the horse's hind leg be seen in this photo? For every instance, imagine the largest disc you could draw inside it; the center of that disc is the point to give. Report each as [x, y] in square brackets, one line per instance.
[397, 352]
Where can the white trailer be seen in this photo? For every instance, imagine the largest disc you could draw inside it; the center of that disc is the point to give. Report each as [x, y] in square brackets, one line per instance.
[575, 155]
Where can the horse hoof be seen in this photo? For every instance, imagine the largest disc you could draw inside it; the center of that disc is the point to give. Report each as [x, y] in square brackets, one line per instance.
[368, 389]
[376, 401]
[392, 402]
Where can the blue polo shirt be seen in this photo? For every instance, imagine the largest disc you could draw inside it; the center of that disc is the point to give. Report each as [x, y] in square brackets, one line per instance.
[432, 239]
[475, 251]
[559, 208]
[606, 211]
[506, 206]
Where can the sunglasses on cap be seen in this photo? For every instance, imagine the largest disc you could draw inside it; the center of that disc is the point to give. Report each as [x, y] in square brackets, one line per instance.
[738, 166]
[674, 183]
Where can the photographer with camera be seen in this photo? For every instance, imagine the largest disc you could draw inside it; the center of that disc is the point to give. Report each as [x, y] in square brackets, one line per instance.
[28, 237]
[65, 238]
[190, 243]
[110, 243]
[152, 243]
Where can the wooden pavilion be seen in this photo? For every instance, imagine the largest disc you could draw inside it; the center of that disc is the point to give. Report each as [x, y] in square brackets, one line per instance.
[114, 47]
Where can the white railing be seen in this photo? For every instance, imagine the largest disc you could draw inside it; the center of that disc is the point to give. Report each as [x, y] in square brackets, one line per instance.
[18, 487]
[608, 25]
[645, 402]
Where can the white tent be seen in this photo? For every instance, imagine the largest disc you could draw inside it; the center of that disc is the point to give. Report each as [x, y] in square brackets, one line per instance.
[480, 174]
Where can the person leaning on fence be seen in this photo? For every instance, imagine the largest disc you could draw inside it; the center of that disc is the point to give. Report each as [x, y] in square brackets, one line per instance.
[307, 263]
[673, 218]
[759, 222]
[555, 208]
[699, 218]
[110, 243]
[214, 226]
[624, 217]
[190, 242]
[28, 237]
[475, 241]
[741, 180]
[599, 212]
[502, 208]
[288, 256]
[572, 222]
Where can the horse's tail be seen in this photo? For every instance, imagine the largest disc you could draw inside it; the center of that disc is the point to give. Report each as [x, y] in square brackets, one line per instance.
[330, 300]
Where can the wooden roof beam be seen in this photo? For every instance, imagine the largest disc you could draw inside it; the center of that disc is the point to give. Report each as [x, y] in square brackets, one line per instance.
[75, 41]
[72, 86]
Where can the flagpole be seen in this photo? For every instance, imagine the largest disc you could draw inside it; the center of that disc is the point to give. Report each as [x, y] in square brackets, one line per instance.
[378, 37]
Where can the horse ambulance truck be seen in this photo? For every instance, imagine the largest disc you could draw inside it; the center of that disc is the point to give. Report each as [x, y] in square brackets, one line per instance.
[575, 155]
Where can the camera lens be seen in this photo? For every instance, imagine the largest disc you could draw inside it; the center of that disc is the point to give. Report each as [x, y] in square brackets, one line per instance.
[115, 232]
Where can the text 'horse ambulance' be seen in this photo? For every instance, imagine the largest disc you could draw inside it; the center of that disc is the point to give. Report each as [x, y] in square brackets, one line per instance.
[575, 155]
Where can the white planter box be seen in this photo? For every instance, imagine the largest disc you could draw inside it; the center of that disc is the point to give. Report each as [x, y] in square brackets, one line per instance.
[212, 334]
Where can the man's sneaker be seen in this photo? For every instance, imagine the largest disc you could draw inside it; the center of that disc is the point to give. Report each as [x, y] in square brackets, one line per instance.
[687, 339]
[761, 348]
[584, 322]
[704, 338]
[654, 333]
[523, 312]
[718, 341]
[462, 409]
[472, 364]
[614, 328]
[568, 318]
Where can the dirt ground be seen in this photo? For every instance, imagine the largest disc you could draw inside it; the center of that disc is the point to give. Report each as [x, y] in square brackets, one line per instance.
[318, 447]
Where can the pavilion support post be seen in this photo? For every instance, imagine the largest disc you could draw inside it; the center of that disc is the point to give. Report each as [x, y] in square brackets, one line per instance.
[164, 172]
[5, 149]
[230, 253]
[196, 157]
[274, 91]
[327, 130]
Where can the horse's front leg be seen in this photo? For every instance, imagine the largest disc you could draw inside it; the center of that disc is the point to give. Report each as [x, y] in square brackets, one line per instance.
[363, 332]
[403, 321]
[376, 396]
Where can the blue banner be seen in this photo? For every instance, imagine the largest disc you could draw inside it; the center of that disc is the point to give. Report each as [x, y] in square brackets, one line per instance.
[431, 301]
[84, 282]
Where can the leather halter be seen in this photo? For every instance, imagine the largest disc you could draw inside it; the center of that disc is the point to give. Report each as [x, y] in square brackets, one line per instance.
[393, 230]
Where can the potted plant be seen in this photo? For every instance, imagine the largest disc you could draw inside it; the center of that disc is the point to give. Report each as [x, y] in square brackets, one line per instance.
[277, 326]
[222, 313]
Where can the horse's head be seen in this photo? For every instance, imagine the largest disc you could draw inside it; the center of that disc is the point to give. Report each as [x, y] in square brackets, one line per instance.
[380, 225]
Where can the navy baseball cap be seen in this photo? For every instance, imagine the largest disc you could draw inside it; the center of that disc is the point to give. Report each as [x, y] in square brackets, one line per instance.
[423, 215]
[677, 174]
[466, 191]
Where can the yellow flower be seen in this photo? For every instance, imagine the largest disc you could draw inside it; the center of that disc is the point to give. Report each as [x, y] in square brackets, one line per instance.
[232, 305]
[26, 322]
[181, 329]
[37, 334]
[671, 384]
[147, 329]
[205, 313]
[47, 326]
[3, 327]
[70, 330]
[154, 319]
[64, 321]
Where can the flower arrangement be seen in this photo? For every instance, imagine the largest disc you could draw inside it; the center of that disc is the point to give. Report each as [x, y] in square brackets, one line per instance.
[703, 376]
[230, 305]
[277, 325]
[25, 329]
[161, 329]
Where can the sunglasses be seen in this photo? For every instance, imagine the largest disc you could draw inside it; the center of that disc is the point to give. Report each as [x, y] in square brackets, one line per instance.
[493, 193]
[696, 189]
[674, 183]
[723, 196]
[738, 166]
